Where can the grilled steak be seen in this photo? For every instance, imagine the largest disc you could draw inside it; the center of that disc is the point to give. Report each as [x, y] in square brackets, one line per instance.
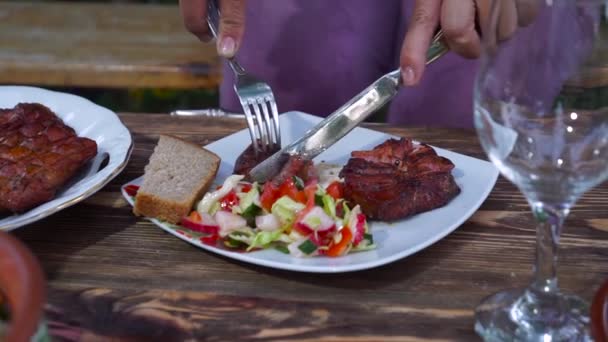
[38, 154]
[397, 179]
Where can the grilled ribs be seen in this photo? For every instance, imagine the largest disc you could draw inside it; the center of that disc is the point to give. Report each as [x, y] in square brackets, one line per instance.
[398, 179]
[38, 154]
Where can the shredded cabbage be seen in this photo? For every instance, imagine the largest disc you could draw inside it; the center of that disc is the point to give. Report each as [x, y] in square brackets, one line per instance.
[285, 209]
[264, 238]
[210, 198]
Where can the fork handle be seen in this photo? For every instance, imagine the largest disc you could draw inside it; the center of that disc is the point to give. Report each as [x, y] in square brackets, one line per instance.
[213, 20]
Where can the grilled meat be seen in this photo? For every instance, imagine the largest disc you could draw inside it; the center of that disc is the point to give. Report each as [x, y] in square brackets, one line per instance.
[247, 160]
[295, 165]
[38, 154]
[398, 179]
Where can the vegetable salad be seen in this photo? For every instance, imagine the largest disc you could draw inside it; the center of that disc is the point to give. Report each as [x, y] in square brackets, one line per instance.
[296, 218]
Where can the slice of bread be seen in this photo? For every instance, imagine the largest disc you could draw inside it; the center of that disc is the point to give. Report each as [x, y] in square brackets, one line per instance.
[177, 175]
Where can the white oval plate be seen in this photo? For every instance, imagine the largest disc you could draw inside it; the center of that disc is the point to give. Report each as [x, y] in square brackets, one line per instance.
[394, 241]
[88, 120]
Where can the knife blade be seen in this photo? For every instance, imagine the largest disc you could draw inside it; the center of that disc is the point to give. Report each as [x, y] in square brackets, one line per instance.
[331, 129]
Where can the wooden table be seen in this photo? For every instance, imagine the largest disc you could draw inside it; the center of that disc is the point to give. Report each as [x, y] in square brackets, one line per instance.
[112, 274]
[102, 45]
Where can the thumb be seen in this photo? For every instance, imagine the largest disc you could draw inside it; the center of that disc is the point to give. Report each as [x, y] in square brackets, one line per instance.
[232, 26]
[423, 23]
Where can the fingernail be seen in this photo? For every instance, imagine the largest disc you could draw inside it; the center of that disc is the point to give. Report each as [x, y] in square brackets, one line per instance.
[227, 47]
[408, 76]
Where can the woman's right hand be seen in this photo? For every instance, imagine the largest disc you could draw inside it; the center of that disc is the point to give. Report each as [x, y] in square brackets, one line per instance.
[459, 20]
[232, 23]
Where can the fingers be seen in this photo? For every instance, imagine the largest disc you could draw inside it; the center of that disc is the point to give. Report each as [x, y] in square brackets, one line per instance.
[458, 25]
[423, 24]
[526, 11]
[500, 23]
[507, 24]
[194, 13]
[483, 9]
[232, 26]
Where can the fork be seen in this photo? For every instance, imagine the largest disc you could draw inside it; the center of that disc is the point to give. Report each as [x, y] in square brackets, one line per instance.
[256, 97]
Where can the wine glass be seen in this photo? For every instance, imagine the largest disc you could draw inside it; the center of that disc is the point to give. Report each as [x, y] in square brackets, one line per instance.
[541, 122]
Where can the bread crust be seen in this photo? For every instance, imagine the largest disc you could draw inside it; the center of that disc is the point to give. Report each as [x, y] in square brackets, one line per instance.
[172, 211]
[150, 205]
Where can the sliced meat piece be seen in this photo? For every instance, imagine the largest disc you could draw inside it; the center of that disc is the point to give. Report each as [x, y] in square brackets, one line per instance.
[247, 160]
[295, 166]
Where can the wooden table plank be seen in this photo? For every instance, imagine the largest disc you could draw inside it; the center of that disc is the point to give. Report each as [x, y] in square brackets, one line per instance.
[102, 45]
[112, 274]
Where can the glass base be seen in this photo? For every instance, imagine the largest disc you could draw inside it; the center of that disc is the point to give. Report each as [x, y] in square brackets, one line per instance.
[519, 315]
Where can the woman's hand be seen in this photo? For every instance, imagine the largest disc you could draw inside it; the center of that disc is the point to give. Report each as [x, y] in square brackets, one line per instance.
[232, 23]
[459, 20]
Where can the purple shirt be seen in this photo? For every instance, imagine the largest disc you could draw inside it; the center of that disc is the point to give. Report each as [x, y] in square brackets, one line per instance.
[318, 54]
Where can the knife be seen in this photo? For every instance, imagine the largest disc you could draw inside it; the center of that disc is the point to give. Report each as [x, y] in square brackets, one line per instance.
[339, 123]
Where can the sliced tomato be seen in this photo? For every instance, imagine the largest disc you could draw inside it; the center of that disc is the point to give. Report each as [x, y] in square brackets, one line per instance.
[246, 187]
[335, 190]
[288, 188]
[229, 201]
[337, 249]
[131, 189]
[270, 194]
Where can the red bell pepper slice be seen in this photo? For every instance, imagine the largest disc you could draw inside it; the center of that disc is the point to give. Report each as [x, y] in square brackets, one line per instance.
[210, 240]
[131, 189]
[195, 216]
[337, 249]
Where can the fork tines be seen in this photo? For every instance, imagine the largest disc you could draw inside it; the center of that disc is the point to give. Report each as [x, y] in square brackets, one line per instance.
[264, 130]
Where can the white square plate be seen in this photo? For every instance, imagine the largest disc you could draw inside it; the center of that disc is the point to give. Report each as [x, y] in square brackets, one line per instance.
[395, 240]
[89, 120]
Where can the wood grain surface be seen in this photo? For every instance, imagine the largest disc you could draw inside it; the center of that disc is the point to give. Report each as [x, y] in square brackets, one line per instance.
[102, 45]
[114, 276]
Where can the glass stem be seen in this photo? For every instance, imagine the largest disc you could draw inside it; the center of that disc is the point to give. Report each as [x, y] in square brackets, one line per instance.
[550, 221]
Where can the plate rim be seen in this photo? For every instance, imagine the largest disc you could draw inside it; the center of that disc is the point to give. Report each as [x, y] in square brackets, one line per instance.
[20, 222]
[243, 257]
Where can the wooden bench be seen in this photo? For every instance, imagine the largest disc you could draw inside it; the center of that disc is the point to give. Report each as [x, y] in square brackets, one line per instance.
[102, 45]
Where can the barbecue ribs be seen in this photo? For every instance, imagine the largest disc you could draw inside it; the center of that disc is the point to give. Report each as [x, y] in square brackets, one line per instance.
[38, 154]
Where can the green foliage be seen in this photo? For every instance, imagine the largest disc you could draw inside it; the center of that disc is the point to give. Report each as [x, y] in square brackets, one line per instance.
[583, 98]
[148, 100]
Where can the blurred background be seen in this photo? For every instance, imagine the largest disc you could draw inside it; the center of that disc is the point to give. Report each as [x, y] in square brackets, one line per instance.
[125, 98]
